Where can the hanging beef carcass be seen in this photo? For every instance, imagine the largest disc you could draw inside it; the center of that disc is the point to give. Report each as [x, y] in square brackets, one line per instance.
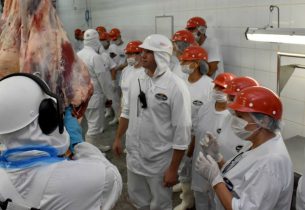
[33, 40]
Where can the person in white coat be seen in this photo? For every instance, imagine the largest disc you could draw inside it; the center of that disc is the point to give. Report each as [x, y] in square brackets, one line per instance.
[34, 172]
[181, 40]
[129, 73]
[158, 119]
[198, 27]
[116, 51]
[78, 44]
[194, 64]
[94, 114]
[214, 112]
[259, 177]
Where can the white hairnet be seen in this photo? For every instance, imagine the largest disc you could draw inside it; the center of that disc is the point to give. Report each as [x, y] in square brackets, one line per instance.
[91, 39]
[32, 135]
[163, 62]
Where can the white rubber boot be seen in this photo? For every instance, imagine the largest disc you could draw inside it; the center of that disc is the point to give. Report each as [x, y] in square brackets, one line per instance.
[95, 141]
[108, 112]
[187, 197]
[177, 187]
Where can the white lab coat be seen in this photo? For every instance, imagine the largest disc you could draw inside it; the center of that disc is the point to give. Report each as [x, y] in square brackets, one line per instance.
[176, 68]
[165, 125]
[208, 120]
[97, 70]
[229, 143]
[89, 183]
[201, 92]
[262, 178]
[211, 45]
[129, 74]
[109, 64]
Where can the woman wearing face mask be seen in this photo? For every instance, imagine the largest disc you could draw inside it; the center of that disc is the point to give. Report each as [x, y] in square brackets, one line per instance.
[133, 54]
[181, 40]
[260, 177]
[193, 63]
[210, 118]
[230, 144]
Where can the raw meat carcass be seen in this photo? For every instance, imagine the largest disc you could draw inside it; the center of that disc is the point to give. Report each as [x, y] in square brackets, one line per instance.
[33, 40]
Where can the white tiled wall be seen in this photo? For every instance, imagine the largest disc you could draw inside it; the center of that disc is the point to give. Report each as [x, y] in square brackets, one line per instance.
[227, 20]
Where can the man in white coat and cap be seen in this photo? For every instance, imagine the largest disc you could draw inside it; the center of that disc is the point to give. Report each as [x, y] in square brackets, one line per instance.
[157, 117]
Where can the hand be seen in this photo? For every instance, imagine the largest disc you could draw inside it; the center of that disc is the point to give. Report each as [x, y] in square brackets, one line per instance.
[170, 178]
[210, 146]
[117, 147]
[185, 173]
[208, 168]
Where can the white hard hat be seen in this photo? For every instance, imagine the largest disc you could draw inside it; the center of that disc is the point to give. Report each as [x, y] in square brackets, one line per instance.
[20, 98]
[157, 43]
[91, 34]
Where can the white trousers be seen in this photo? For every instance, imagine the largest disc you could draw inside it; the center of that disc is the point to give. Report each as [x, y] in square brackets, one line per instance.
[148, 193]
[95, 118]
[204, 200]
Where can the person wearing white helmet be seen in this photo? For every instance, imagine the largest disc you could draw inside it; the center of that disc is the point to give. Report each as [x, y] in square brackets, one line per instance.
[198, 27]
[34, 172]
[157, 118]
[94, 114]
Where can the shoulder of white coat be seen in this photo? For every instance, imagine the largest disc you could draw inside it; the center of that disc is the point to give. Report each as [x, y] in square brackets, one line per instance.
[178, 83]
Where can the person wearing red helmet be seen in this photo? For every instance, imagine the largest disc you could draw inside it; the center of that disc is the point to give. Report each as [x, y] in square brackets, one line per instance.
[228, 144]
[260, 176]
[194, 65]
[198, 27]
[181, 40]
[105, 40]
[133, 54]
[110, 66]
[78, 45]
[116, 52]
[237, 85]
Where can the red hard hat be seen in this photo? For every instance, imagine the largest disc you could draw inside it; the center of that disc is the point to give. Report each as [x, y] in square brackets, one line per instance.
[133, 47]
[185, 36]
[195, 22]
[258, 99]
[114, 33]
[223, 79]
[100, 29]
[77, 32]
[239, 83]
[104, 36]
[194, 53]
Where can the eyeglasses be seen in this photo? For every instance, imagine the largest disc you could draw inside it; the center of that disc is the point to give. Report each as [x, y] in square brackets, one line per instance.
[142, 97]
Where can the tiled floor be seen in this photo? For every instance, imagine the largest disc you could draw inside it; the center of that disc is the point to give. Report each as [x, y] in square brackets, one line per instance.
[123, 203]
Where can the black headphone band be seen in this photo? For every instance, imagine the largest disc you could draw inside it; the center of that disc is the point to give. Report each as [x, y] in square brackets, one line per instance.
[47, 91]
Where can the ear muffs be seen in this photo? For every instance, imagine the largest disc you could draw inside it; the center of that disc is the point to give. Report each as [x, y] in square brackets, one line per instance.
[48, 117]
[50, 111]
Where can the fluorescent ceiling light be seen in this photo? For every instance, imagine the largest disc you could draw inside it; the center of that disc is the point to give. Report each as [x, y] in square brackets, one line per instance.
[277, 35]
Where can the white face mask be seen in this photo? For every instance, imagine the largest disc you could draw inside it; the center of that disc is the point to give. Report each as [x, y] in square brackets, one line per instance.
[186, 69]
[219, 96]
[131, 61]
[117, 42]
[197, 36]
[238, 126]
